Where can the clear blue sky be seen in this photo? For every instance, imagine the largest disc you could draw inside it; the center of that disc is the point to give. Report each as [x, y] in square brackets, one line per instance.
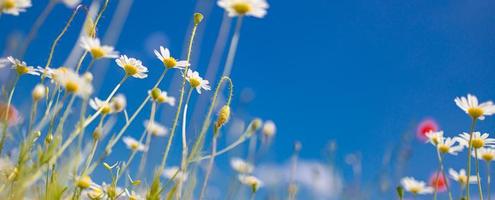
[358, 71]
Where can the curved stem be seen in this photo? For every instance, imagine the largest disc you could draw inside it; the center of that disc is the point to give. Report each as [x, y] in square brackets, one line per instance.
[183, 167]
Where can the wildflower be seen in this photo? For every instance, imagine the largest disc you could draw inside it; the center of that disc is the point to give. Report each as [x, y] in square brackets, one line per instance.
[256, 8]
[133, 196]
[93, 46]
[95, 193]
[434, 137]
[478, 140]
[486, 154]
[241, 166]
[161, 97]
[446, 145]
[196, 82]
[19, 66]
[83, 182]
[88, 76]
[155, 128]
[472, 108]
[132, 67]
[98, 104]
[118, 103]
[169, 61]
[13, 117]
[428, 125]
[112, 191]
[250, 181]
[269, 128]
[416, 187]
[133, 144]
[461, 177]
[438, 181]
[14, 7]
[174, 173]
[223, 116]
[198, 17]
[39, 92]
[73, 83]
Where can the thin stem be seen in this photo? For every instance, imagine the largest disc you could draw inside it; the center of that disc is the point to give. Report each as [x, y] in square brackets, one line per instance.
[488, 180]
[6, 119]
[478, 174]
[148, 136]
[442, 170]
[210, 166]
[470, 148]
[233, 48]
[180, 182]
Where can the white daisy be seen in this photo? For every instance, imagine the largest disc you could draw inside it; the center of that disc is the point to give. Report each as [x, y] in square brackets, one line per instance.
[93, 46]
[174, 173]
[162, 97]
[19, 66]
[250, 181]
[486, 154]
[132, 67]
[73, 83]
[434, 137]
[196, 82]
[14, 7]
[133, 195]
[133, 144]
[447, 145]
[416, 187]
[155, 128]
[461, 177]
[118, 103]
[241, 166]
[472, 108]
[478, 140]
[169, 61]
[256, 8]
[99, 104]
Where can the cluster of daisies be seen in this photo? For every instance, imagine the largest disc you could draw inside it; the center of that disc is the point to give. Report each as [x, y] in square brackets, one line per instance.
[478, 145]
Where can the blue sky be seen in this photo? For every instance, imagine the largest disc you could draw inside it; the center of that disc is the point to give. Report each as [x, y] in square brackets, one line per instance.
[358, 71]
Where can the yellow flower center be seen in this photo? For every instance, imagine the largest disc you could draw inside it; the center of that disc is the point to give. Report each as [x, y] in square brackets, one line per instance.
[475, 112]
[462, 179]
[95, 193]
[130, 69]
[161, 99]
[133, 197]
[84, 182]
[241, 8]
[194, 82]
[443, 148]
[9, 4]
[169, 62]
[415, 190]
[134, 146]
[487, 157]
[111, 192]
[97, 52]
[105, 109]
[477, 143]
[435, 140]
[21, 69]
[71, 86]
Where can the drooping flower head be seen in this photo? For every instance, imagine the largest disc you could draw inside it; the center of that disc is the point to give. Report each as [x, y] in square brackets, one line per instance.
[461, 177]
[155, 128]
[168, 60]
[255, 8]
[132, 67]
[438, 182]
[471, 106]
[427, 125]
[250, 181]
[478, 140]
[447, 145]
[98, 104]
[93, 46]
[241, 166]
[133, 144]
[19, 66]
[196, 82]
[14, 7]
[414, 186]
[73, 83]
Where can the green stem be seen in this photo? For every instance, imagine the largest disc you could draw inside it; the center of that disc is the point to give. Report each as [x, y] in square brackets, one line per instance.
[478, 174]
[210, 166]
[470, 149]
[148, 136]
[488, 180]
[6, 119]
[442, 170]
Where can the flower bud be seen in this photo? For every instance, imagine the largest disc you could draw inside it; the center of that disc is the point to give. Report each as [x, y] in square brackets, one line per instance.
[97, 134]
[49, 138]
[39, 92]
[83, 182]
[223, 116]
[155, 93]
[269, 128]
[255, 124]
[198, 17]
[88, 77]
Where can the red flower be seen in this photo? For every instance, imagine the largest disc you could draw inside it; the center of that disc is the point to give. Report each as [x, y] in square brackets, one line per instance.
[12, 116]
[441, 184]
[424, 127]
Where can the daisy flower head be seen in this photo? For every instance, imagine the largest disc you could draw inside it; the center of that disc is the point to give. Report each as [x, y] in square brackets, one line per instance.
[132, 67]
[477, 141]
[168, 60]
[161, 97]
[461, 177]
[19, 66]
[174, 173]
[196, 82]
[118, 103]
[447, 145]
[269, 128]
[486, 154]
[241, 166]
[424, 127]
[98, 104]
[471, 106]
[73, 83]
[414, 186]
[434, 137]
[133, 195]
[14, 7]
[255, 8]
[133, 144]
[93, 46]
[250, 181]
[155, 128]
[84, 182]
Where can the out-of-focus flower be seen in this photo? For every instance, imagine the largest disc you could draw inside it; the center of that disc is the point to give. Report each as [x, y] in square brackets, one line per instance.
[71, 3]
[486, 154]
[13, 117]
[39, 92]
[155, 128]
[19, 66]
[196, 82]
[133, 144]
[84, 182]
[241, 166]
[438, 182]
[426, 126]
[434, 137]
[118, 103]
[132, 67]
[169, 61]
[14, 7]
[98, 104]
[73, 83]
[461, 177]
[477, 141]
[447, 145]
[174, 173]
[477, 111]
[256, 8]
[161, 97]
[93, 46]
[250, 181]
[414, 186]
[133, 196]
[269, 129]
